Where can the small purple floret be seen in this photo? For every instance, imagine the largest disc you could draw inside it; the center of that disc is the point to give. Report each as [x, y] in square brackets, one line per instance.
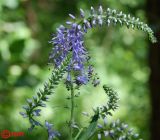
[82, 80]
[51, 133]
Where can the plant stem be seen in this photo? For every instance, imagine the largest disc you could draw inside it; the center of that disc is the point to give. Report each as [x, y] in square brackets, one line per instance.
[80, 131]
[72, 112]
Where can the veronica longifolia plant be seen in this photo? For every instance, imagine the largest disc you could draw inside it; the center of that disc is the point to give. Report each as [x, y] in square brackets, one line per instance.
[70, 56]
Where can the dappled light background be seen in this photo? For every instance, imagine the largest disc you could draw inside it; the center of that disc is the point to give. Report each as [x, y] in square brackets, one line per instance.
[119, 56]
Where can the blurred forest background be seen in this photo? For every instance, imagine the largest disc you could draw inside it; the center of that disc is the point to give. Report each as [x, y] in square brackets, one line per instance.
[123, 59]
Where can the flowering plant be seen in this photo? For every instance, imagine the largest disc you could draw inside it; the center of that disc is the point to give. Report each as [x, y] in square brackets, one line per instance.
[69, 56]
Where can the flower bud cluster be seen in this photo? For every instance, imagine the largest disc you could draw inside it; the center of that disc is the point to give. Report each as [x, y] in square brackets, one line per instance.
[117, 130]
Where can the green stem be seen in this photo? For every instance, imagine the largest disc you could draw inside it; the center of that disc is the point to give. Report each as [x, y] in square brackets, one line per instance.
[72, 112]
[80, 131]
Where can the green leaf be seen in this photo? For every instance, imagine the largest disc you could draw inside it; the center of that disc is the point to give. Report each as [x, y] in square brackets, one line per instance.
[89, 132]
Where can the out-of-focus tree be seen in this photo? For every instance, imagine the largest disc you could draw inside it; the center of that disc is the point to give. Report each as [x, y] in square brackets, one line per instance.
[153, 13]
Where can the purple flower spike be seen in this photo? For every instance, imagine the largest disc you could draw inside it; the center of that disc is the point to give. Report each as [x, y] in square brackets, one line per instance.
[70, 40]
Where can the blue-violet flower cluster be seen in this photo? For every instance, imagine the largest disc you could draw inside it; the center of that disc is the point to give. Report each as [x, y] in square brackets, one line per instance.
[70, 41]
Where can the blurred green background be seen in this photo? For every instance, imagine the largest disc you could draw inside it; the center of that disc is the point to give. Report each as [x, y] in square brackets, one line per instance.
[119, 55]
